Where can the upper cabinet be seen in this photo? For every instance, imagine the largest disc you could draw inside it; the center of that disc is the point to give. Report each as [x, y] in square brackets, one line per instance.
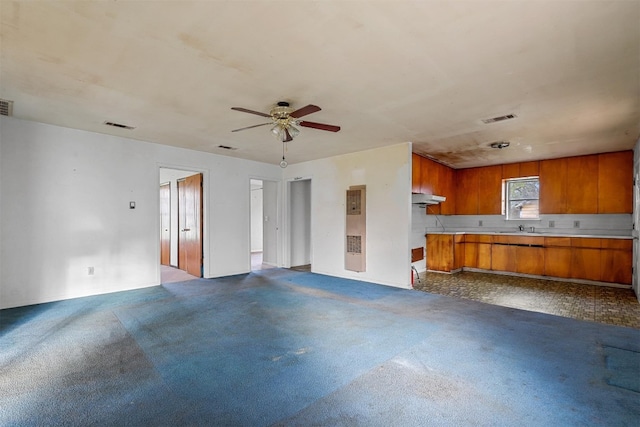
[592, 184]
[416, 170]
[431, 177]
[599, 183]
[553, 186]
[615, 182]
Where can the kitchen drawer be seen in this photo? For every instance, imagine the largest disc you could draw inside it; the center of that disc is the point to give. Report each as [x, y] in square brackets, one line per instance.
[624, 244]
[585, 242]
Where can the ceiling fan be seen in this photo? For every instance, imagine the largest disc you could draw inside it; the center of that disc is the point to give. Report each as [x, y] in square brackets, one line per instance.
[285, 119]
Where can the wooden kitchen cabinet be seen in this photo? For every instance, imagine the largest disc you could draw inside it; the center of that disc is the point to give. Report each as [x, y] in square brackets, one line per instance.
[440, 252]
[520, 170]
[467, 191]
[616, 261]
[557, 257]
[530, 260]
[416, 171]
[458, 251]
[585, 258]
[489, 190]
[582, 185]
[557, 262]
[553, 186]
[503, 257]
[477, 251]
[615, 182]
[529, 169]
[471, 254]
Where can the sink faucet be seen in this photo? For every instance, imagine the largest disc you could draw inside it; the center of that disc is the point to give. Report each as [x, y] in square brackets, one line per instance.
[532, 229]
[521, 227]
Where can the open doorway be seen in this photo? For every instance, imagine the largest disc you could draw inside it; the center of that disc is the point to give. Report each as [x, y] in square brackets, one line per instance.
[300, 224]
[264, 227]
[181, 225]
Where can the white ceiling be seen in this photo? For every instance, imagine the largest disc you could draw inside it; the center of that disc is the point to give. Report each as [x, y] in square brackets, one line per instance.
[385, 71]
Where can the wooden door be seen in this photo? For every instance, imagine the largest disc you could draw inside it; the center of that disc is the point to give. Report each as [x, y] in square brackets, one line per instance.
[165, 224]
[190, 224]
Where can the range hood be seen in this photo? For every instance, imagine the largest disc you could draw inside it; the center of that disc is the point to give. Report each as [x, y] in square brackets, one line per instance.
[426, 199]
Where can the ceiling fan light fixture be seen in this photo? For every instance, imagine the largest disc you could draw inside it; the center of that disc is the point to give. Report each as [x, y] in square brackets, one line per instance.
[293, 131]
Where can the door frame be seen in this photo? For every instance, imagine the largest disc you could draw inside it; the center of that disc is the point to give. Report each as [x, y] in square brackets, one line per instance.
[286, 254]
[279, 241]
[205, 211]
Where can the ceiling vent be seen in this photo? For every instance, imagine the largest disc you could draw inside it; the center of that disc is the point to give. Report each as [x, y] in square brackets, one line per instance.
[226, 147]
[119, 125]
[499, 119]
[6, 108]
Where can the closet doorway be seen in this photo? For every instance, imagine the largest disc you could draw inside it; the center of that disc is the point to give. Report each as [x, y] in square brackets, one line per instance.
[181, 225]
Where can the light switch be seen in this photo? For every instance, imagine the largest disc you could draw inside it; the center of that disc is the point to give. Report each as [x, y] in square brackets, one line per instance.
[132, 205]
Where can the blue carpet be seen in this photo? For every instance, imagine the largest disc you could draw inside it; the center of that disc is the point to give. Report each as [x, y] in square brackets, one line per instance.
[280, 347]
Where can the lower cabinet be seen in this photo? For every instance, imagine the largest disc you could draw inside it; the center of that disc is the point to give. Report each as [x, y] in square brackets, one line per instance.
[530, 260]
[596, 259]
[557, 262]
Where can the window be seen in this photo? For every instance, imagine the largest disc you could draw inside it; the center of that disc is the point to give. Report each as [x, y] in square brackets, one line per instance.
[521, 198]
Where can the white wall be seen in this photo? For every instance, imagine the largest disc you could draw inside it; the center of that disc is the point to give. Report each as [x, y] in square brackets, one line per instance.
[65, 207]
[387, 174]
[300, 222]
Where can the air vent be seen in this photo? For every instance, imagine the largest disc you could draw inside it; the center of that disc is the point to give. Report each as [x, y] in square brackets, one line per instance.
[6, 108]
[226, 147]
[119, 125]
[499, 119]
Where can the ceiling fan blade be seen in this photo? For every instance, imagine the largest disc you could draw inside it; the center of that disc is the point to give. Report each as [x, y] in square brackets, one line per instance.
[244, 110]
[304, 111]
[289, 137]
[321, 126]
[254, 126]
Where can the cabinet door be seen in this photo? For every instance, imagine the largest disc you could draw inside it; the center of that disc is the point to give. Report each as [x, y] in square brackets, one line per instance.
[582, 188]
[557, 262]
[616, 266]
[458, 255]
[448, 207]
[484, 256]
[471, 254]
[553, 186]
[585, 264]
[615, 182]
[428, 176]
[416, 171]
[440, 252]
[490, 190]
[530, 260]
[467, 192]
[529, 168]
[511, 170]
[503, 257]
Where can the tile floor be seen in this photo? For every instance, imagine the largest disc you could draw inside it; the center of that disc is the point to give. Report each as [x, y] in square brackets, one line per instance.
[612, 306]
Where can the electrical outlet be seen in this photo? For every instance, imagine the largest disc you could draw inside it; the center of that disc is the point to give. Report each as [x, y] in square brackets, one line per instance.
[90, 271]
[552, 224]
[576, 224]
[480, 223]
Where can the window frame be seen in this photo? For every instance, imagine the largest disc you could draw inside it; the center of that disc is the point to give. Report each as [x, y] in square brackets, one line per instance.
[506, 200]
